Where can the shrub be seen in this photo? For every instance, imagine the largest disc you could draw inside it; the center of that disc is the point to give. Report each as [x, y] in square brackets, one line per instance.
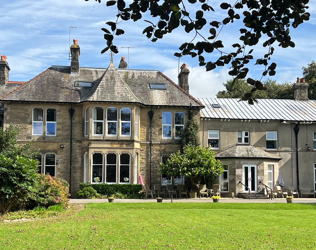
[51, 191]
[56, 208]
[111, 189]
[87, 193]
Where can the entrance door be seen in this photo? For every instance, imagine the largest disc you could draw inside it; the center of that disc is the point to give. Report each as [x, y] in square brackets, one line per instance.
[250, 178]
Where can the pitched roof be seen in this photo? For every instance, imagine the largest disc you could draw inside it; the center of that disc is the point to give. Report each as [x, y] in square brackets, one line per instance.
[265, 109]
[56, 84]
[246, 151]
[9, 88]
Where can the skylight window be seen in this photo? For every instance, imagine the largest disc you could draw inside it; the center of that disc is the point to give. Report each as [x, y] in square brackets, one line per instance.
[83, 84]
[216, 106]
[160, 86]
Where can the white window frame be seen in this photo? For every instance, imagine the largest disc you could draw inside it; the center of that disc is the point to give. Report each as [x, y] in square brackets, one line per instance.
[242, 135]
[166, 125]
[37, 122]
[178, 125]
[106, 166]
[51, 122]
[86, 122]
[50, 165]
[129, 169]
[85, 167]
[136, 124]
[135, 169]
[112, 121]
[92, 165]
[276, 140]
[213, 138]
[270, 182]
[314, 140]
[127, 122]
[97, 121]
[223, 181]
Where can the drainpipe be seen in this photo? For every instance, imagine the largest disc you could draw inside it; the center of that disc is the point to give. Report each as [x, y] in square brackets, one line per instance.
[71, 114]
[296, 130]
[151, 115]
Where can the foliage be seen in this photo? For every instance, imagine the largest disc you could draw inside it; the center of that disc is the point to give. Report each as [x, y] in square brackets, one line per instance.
[18, 171]
[87, 193]
[190, 133]
[111, 189]
[264, 21]
[51, 191]
[309, 74]
[239, 88]
[195, 161]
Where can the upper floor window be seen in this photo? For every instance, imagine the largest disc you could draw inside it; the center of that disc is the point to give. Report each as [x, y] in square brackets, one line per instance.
[125, 162]
[125, 121]
[136, 123]
[98, 121]
[213, 139]
[37, 121]
[86, 122]
[166, 125]
[111, 121]
[50, 164]
[51, 122]
[272, 139]
[178, 124]
[243, 137]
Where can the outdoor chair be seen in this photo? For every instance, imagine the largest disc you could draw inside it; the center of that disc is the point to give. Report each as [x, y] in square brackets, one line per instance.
[216, 190]
[203, 191]
[171, 189]
[148, 191]
[278, 192]
[182, 191]
[159, 191]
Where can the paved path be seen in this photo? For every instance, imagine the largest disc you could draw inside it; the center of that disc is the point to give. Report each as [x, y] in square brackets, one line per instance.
[177, 200]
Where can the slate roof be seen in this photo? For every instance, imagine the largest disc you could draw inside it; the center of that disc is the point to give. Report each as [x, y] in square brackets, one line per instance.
[246, 151]
[265, 109]
[56, 84]
[9, 88]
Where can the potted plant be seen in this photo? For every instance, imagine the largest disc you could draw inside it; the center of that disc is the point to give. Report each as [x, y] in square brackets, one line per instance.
[159, 199]
[111, 198]
[289, 199]
[216, 198]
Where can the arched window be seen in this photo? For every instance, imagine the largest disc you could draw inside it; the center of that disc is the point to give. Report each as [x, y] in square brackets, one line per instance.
[98, 121]
[126, 121]
[136, 124]
[50, 164]
[111, 119]
[166, 125]
[178, 124]
[86, 122]
[125, 161]
[111, 168]
[97, 167]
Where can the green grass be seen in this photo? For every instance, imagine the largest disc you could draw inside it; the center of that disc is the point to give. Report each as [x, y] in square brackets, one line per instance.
[169, 226]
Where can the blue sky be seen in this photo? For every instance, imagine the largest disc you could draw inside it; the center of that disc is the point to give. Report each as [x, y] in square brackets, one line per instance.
[35, 35]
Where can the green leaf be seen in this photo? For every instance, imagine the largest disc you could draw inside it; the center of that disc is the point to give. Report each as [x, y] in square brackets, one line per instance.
[110, 3]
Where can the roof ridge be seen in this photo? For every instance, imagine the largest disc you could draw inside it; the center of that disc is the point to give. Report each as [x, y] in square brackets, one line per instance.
[176, 85]
[23, 85]
[21, 82]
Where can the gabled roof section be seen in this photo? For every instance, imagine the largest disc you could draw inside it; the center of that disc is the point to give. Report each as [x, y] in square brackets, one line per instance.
[265, 109]
[246, 151]
[111, 88]
[139, 82]
[10, 87]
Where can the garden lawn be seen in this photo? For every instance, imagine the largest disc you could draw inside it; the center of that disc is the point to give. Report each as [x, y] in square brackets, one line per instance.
[169, 226]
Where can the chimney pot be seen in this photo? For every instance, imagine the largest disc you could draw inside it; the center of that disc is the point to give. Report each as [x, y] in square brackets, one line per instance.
[3, 58]
[302, 80]
[123, 64]
[298, 79]
[76, 41]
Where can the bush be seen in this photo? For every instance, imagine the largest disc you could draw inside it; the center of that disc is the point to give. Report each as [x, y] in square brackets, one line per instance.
[51, 191]
[87, 193]
[111, 189]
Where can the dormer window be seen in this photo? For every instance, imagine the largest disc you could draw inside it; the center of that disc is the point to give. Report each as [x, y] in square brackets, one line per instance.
[83, 84]
[159, 86]
[217, 106]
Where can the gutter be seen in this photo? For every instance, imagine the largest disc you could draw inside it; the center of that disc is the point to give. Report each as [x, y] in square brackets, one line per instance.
[296, 130]
[151, 115]
[71, 114]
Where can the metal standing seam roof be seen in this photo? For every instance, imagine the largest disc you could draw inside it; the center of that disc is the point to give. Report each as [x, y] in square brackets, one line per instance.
[265, 109]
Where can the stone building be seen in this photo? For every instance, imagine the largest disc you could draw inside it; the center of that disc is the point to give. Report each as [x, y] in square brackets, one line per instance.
[106, 125]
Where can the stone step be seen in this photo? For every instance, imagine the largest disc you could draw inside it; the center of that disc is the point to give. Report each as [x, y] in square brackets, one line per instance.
[253, 196]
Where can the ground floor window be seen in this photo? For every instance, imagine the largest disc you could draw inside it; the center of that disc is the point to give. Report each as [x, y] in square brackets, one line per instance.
[39, 158]
[167, 180]
[224, 179]
[97, 167]
[125, 162]
[50, 164]
[111, 168]
[314, 176]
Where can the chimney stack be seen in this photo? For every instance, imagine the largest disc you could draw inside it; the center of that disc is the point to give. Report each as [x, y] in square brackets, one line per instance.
[301, 90]
[184, 77]
[123, 64]
[75, 52]
[4, 70]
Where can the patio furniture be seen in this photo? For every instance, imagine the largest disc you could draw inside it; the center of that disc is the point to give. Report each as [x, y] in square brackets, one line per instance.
[203, 191]
[216, 190]
[159, 191]
[170, 190]
[278, 192]
[182, 191]
[307, 192]
[148, 191]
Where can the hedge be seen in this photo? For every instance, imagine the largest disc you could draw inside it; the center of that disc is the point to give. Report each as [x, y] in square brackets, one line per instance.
[110, 189]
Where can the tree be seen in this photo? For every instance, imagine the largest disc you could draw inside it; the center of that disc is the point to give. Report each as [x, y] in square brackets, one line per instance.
[195, 163]
[18, 170]
[309, 74]
[266, 21]
[190, 134]
[240, 89]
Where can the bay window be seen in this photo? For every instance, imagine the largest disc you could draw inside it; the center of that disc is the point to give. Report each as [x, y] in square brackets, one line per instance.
[97, 167]
[125, 161]
[98, 121]
[111, 168]
[126, 121]
[86, 122]
[111, 121]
